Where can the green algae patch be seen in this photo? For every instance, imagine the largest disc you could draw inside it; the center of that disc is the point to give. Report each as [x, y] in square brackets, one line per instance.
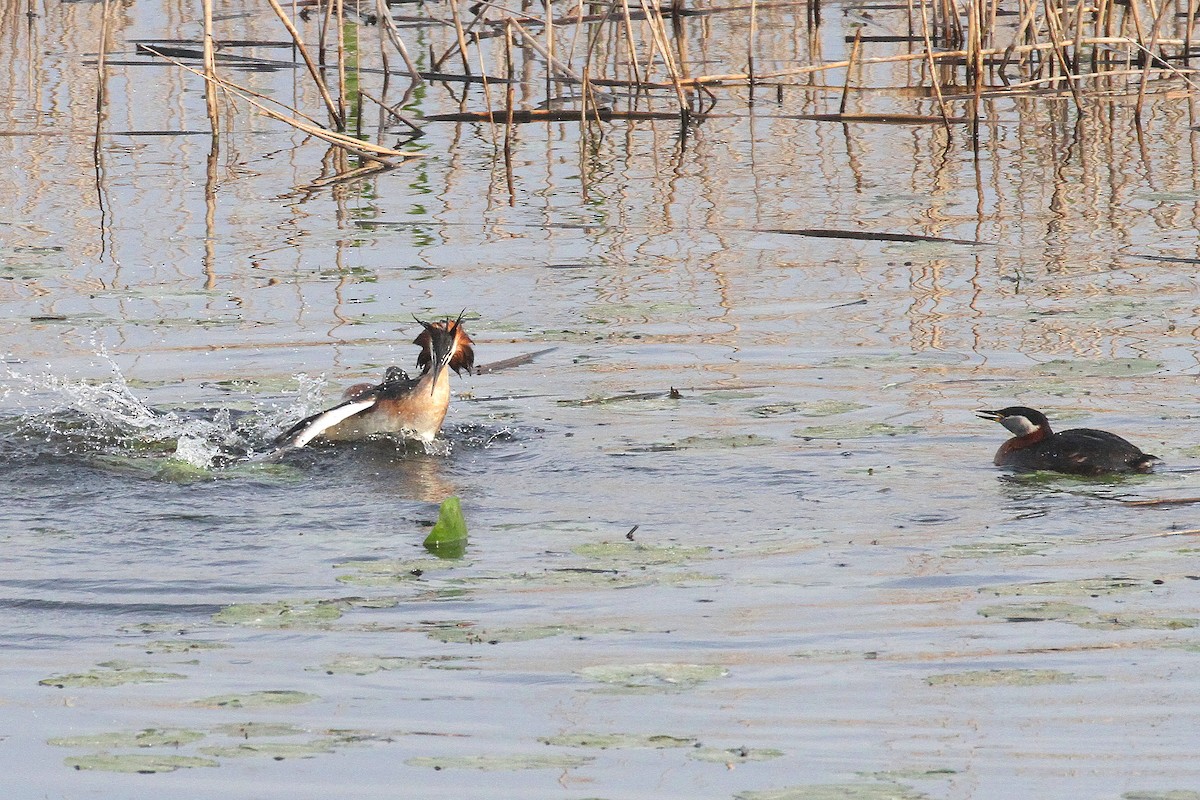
[1098, 368]
[467, 633]
[830, 655]
[282, 614]
[501, 763]
[910, 774]
[855, 430]
[995, 549]
[1038, 612]
[388, 572]
[1003, 677]
[448, 539]
[1087, 587]
[347, 664]
[639, 678]
[277, 751]
[254, 730]
[588, 578]
[175, 646]
[144, 764]
[267, 699]
[612, 741]
[1116, 622]
[1170, 794]
[108, 678]
[820, 408]
[735, 755]
[837, 791]
[148, 737]
[636, 553]
[727, 442]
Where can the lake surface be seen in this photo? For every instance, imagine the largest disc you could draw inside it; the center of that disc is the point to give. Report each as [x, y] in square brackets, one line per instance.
[830, 591]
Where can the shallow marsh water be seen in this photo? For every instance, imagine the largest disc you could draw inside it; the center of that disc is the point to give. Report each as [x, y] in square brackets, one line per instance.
[830, 592]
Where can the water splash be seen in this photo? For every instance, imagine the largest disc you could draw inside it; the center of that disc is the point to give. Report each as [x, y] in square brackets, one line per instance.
[106, 418]
[106, 422]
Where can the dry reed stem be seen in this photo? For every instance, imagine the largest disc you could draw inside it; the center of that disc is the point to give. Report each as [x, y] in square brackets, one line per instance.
[210, 68]
[308, 62]
[360, 148]
[341, 63]
[658, 28]
[551, 61]
[633, 61]
[388, 25]
[509, 98]
[392, 111]
[1149, 58]
[896, 59]
[461, 36]
[487, 93]
[933, 77]
[754, 40]
[849, 70]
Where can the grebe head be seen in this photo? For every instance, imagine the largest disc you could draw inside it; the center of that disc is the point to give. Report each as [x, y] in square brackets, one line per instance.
[445, 344]
[1020, 420]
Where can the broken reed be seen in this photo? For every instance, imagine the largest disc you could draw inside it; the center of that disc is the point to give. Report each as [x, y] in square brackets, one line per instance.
[632, 58]
[961, 51]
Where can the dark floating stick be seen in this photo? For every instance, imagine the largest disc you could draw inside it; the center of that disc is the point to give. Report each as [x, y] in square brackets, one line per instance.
[870, 236]
[508, 363]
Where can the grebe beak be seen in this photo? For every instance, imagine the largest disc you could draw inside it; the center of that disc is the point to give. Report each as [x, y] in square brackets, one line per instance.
[442, 353]
[994, 416]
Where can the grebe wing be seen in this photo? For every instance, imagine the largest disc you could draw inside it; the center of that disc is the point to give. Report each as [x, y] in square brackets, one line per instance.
[310, 428]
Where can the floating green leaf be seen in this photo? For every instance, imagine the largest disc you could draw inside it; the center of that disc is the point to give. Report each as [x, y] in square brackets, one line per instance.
[267, 699]
[149, 737]
[910, 774]
[161, 646]
[500, 763]
[448, 539]
[820, 408]
[734, 755]
[637, 553]
[606, 741]
[855, 430]
[469, 634]
[1090, 587]
[653, 677]
[283, 614]
[727, 442]
[248, 730]
[994, 549]
[1115, 622]
[385, 572]
[837, 791]
[1099, 368]
[137, 762]
[1003, 677]
[273, 750]
[107, 678]
[366, 665]
[1038, 612]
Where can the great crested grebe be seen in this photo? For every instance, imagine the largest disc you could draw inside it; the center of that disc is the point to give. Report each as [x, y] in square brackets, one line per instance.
[412, 408]
[1079, 451]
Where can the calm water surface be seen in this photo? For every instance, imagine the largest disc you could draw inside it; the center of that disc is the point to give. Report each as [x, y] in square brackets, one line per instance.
[830, 589]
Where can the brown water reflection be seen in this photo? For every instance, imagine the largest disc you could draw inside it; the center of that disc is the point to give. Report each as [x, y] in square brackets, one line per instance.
[829, 582]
